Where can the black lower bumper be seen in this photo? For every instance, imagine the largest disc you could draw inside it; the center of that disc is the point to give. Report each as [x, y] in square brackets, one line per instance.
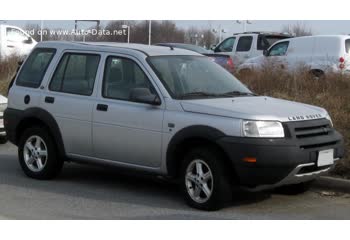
[275, 158]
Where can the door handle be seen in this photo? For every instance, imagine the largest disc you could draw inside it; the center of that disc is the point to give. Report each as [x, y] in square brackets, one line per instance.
[49, 100]
[10, 46]
[102, 107]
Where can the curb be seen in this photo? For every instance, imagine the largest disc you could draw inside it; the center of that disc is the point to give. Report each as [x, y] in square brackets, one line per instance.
[332, 183]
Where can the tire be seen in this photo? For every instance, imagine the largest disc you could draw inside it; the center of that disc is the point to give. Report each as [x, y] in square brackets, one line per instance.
[3, 140]
[31, 154]
[295, 189]
[219, 185]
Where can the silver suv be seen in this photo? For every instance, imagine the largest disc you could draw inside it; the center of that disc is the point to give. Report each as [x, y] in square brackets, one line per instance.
[164, 111]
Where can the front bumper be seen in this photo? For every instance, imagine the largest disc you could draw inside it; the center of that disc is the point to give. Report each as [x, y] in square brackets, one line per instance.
[281, 161]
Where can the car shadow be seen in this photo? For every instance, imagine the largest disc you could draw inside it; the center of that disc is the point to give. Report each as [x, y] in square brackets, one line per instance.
[111, 184]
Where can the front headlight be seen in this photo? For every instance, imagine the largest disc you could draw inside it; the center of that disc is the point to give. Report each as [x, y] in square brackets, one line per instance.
[267, 129]
[329, 118]
[3, 106]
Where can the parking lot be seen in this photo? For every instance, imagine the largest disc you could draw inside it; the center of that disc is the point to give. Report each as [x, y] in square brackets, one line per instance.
[88, 192]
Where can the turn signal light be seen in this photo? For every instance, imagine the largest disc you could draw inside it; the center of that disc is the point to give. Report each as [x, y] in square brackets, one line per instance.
[249, 160]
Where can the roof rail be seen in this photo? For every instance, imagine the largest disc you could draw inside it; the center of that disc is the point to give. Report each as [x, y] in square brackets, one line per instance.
[263, 32]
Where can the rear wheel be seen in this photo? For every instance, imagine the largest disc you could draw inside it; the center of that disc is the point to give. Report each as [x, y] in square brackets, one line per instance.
[205, 182]
[37, 154]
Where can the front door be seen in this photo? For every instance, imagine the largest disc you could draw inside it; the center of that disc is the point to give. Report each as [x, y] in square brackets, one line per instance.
[126, 131]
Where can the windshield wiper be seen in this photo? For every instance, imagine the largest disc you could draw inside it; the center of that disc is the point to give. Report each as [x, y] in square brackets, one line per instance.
[238, 93]
[197, 94]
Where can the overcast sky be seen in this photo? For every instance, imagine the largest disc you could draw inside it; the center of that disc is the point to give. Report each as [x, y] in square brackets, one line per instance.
[230, 26]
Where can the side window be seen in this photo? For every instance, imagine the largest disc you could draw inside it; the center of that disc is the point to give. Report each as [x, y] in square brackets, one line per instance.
[347, 45]
[121, 76]
[226, 45]
[263, 44]
[75, 74]
[35, 67]
[280, 49]
[15, 35]
[244, 44]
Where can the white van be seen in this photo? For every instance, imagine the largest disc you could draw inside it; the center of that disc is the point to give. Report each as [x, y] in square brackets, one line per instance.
[321, 54]
[15, 41]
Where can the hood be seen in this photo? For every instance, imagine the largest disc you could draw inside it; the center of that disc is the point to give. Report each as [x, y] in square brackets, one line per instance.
[3, 99]
[255, 108]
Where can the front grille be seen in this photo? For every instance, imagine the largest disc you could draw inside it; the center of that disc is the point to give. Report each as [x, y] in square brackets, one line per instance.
[312, 133]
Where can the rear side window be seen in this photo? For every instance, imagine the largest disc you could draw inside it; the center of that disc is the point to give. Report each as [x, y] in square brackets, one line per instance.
[244, 44]
[347, 45]
[35, 67]
[75, 74]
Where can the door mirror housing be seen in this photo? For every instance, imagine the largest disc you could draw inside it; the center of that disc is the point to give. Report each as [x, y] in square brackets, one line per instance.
[212, 47]
[265, 52]
[144, 95]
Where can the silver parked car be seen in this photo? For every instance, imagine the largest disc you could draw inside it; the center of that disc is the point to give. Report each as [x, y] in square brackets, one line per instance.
[165, 111]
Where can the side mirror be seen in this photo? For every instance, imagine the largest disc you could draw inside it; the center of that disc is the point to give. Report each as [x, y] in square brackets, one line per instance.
[144, 95]
[213, 47]
[265, 52]
[29, 40]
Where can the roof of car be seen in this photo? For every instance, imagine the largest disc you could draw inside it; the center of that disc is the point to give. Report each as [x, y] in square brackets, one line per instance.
[148, 50]
[340, 37]
[265, 33]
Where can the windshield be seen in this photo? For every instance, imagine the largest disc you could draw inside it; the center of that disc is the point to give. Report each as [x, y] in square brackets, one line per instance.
[195, 76]
[347, 45]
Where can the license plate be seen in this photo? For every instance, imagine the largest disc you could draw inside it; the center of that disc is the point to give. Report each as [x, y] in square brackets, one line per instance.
[1, 123]
[325, 157]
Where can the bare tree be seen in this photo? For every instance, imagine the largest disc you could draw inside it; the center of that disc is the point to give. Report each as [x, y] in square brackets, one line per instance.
[298, 29]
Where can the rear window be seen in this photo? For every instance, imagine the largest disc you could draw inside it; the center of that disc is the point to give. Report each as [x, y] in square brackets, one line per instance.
[347, 45]
[35, 67]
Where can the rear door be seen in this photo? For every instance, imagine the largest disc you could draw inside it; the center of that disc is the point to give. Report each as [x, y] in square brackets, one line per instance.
[244, 49]
[71, 97]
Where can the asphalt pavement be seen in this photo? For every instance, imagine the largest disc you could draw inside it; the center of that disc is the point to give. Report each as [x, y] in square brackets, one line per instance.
[90, 192]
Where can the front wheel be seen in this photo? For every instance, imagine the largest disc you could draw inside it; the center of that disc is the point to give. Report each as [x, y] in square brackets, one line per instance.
[205, 181]
[37, 154]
